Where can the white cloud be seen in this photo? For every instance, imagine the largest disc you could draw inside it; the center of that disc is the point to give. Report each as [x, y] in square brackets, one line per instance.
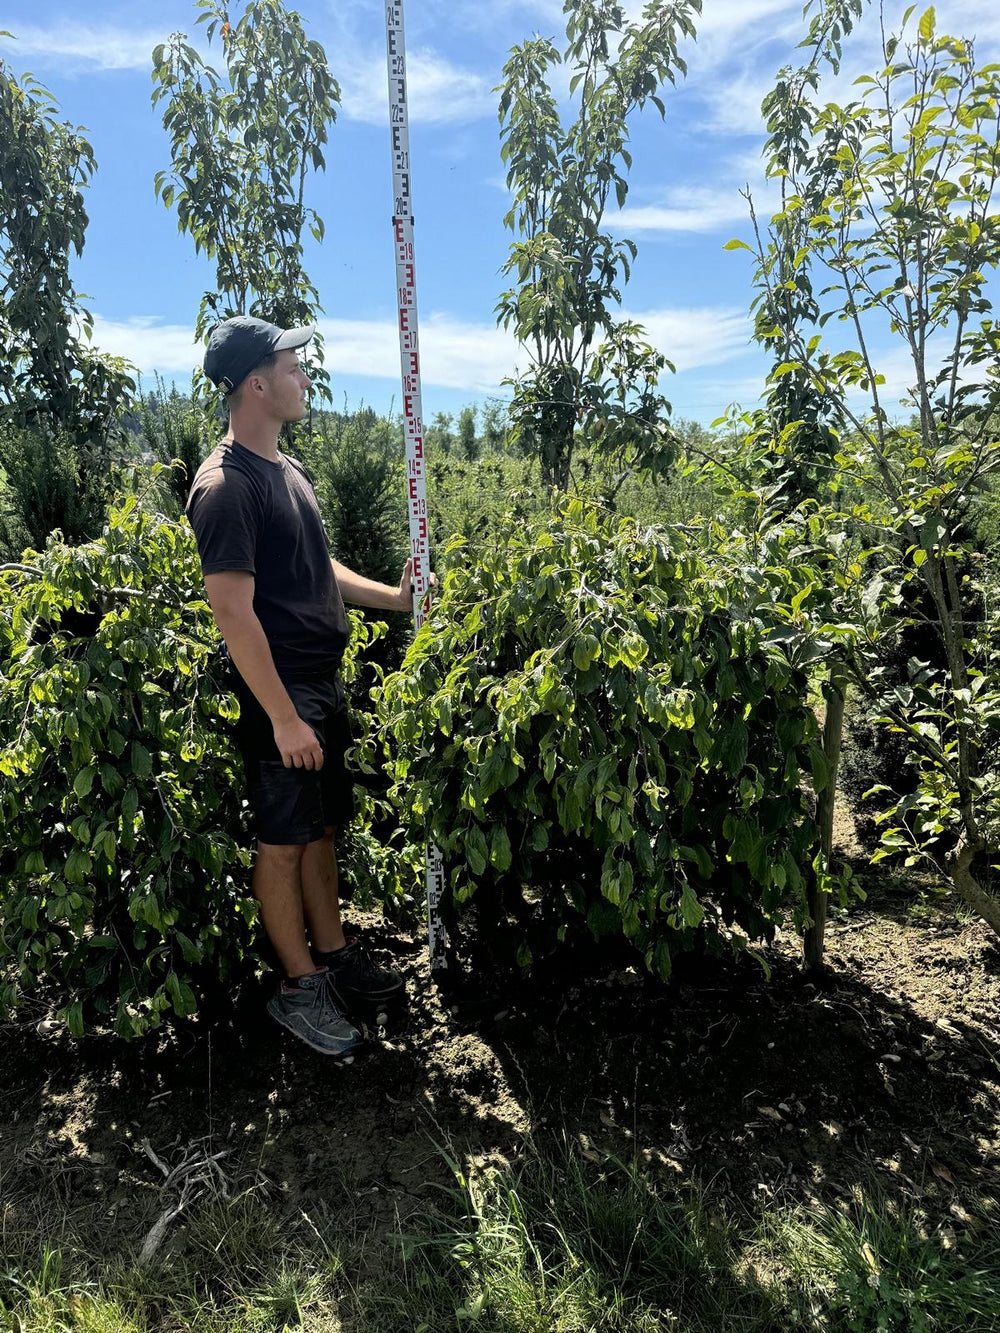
[455, 353]
[696, 336]
[895, 363]
[954, 17]
[439, 92]
[104, 47]
[474, 16]
[742, 44]
[149, 344]
[684, 209]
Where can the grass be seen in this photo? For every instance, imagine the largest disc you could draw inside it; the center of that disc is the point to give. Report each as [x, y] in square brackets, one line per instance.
[555, 1244]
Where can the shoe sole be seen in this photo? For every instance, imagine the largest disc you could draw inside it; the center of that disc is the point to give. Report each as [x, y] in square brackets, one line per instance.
[388, 996]
[340, 1058]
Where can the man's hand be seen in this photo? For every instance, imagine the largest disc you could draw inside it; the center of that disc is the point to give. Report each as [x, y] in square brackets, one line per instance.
[406, 586]
[298, 744]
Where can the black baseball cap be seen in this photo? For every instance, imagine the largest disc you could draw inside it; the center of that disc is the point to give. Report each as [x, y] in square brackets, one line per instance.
[238, 345]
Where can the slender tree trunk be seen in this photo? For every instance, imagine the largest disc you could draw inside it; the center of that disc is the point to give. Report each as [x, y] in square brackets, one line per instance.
[969, 888]
[835, 692]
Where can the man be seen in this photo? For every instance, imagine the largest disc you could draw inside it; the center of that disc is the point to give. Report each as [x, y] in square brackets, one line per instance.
[277, 598]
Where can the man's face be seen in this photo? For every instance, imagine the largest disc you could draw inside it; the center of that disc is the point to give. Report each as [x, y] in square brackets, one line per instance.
[287, 385]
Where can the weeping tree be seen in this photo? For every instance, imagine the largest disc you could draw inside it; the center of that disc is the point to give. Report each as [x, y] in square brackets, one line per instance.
[243, 144]
[586, 369]
[890, 198]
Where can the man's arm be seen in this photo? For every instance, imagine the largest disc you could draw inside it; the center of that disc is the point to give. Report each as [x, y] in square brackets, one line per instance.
[230, 595]
[379, 596]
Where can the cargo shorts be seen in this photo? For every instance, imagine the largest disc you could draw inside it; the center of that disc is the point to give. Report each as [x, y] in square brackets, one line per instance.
[296, 805]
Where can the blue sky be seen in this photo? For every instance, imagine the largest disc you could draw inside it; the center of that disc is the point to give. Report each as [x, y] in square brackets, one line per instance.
[144, 282]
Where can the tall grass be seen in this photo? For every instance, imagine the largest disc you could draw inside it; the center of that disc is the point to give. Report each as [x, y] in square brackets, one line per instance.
[553, 1244]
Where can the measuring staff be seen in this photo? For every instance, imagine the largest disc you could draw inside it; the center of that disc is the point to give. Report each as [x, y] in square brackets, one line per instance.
[409, 360]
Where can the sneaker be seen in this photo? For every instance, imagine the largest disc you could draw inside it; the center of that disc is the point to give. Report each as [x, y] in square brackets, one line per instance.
[359, 979]
[313, 1014]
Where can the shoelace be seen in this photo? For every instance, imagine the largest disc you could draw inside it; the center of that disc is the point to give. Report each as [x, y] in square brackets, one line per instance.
[363, 960]
[329, 999]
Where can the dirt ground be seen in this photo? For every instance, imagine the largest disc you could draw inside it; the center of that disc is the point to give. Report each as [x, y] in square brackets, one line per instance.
[762, 1089]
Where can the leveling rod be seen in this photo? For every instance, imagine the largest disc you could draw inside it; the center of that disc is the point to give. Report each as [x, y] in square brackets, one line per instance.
[413, 416]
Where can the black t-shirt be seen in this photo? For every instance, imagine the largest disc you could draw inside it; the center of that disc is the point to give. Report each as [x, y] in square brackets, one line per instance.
[251, 514]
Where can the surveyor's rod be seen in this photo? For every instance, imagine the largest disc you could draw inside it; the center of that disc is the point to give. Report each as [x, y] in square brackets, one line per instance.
[409, 361]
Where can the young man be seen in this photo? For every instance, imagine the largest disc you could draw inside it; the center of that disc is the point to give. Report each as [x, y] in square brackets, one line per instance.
[277, 598]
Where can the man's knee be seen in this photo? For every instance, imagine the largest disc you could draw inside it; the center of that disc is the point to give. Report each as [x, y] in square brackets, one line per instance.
[280, 854]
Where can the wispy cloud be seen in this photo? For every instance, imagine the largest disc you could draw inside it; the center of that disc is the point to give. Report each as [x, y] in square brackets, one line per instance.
[698, 335]
[474, 17]
[455, 353]
[742, 43]
[149, 344]
[102, 47]
[683, 209]
[954, 17]
[440, 92]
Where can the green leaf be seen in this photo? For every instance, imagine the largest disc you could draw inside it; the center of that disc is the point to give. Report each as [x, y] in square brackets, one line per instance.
[500, 852]
[820, 769]
[72, 1016]
[475, 850]
[129, 808]
[586, 650]
[142, 763]
[84, 781]
[736, 244]
[690, 908]
[928, 21]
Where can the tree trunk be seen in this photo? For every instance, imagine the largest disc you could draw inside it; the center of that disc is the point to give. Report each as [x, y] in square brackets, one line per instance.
[968, 887]
[835, 692]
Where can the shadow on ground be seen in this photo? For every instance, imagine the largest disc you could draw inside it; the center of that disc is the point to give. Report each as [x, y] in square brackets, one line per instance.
[758, 1088]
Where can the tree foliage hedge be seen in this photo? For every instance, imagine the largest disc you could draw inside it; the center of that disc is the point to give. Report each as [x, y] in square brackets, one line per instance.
[606, 724]
[124, 869]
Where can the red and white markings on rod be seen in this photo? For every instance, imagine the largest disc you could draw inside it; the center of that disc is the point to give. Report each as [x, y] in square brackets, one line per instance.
[409, 362]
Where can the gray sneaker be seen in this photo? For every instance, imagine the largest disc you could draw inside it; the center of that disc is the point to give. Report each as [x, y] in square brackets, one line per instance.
[314, 1014]
[358, 978]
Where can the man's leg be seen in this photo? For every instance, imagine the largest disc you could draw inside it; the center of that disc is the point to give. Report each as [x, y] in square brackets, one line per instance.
[358, 979]
[320, 897]
[305, 1005]
[278, 887]
[362, 982]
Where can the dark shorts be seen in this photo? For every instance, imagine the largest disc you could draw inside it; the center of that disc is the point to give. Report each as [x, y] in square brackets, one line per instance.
[297, 805]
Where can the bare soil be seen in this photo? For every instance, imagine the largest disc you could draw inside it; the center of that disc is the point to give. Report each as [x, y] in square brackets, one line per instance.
[761, 1088]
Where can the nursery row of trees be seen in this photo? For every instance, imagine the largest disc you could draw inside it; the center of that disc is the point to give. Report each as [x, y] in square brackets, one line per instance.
[609, 721]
